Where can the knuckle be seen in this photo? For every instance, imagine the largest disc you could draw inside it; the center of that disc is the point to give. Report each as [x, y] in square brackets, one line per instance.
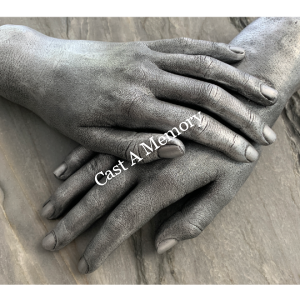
[140, 151]
[213, 46]
[134, 71]
[172, 186]
[233, 141]
[213, 95]
[200, 125]
[206, 65]
[245, 78]
[93, 166]
[213, 91]
[205, 60]
[117, 224]
[94, 201]
[236, 144]
[131, 146]
[196, 90]
[127, 145]
[183, 41]
[73, 159]
[251, 120]
[192, 228]
[203, 125]
[197, 63]
[130, 105]
[140, 45]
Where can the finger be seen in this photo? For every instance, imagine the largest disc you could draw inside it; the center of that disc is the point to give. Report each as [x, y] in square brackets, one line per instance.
[76, 159]
[208, 68]
[188, 46]
[215, 99]
[194, 217]
[133, 212]
[196, 126]
[120, 143]
[76, 186]
[90, 208]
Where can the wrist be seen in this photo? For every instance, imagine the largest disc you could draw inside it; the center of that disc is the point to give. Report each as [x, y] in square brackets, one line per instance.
[280, 64]
[20, 66]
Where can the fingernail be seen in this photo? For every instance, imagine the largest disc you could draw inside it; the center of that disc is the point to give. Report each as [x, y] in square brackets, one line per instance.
[49, 241]
[170, 151]
[48, 210]
[269, 134]
[237, 50]
[166, 245]
[251, 154]
[83, 267]
[268, 92]
[60, 170]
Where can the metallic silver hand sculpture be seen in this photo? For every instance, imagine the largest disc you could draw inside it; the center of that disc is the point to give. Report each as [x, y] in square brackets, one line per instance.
[207, 178]
[109, 96]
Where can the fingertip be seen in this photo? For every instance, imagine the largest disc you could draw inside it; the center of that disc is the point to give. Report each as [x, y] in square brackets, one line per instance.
[166, 245]
[60, 170]
[83, 267]
[49, 241]
[237, 50]
[229, 54]
[251, 154]
[269, 93]
[170, 151]
[48, 210]
[269, 134]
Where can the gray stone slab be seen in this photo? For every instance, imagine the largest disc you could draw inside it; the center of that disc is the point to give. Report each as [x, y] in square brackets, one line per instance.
[254, 240]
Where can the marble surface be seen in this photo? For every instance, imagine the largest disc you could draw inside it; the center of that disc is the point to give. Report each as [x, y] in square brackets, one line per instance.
[254, 240]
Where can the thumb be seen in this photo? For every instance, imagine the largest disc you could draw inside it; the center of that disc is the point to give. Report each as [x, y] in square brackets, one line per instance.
[73, 162]
[196, 214]
[124, 144]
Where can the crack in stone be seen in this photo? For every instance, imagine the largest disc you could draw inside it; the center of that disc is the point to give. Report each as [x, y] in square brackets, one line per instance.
[170, 261]
[291, 119]
[140, 263]
[241, 22]
[67, 28]
[1, 197]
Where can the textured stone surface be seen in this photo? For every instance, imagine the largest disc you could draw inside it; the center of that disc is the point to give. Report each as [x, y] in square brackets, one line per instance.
[254, 240]
[241, 22]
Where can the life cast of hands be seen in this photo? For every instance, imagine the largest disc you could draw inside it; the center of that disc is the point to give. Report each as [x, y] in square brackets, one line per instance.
[111, 97]
[160, 183]
[206, 178]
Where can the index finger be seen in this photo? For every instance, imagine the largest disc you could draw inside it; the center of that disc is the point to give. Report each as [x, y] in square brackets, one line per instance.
[182, 45]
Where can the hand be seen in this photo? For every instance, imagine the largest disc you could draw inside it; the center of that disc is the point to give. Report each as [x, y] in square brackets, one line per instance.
[208, 177]
[104, 94]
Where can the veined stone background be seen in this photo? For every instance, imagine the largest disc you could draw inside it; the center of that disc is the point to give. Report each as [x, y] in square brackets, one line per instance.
[254, 240]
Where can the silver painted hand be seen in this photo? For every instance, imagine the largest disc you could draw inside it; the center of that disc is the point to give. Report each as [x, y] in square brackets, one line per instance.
[109, 96]
[206, 177]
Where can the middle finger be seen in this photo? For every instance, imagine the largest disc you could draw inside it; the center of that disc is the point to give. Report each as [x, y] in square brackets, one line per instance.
[213, 98]
[209, 68]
